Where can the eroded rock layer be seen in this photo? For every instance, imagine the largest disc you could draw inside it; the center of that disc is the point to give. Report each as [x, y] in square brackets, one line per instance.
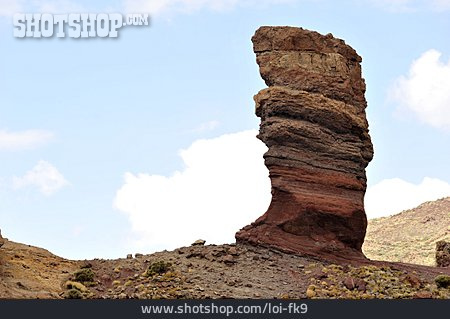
[443, 253]
[314, 123]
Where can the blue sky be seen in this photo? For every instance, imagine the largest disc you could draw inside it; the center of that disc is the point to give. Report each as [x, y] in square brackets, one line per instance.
[146, 142]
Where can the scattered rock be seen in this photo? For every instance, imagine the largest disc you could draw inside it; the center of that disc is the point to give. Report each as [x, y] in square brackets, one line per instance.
[233, 251]
[413, 280]
[424, 295]
[105, 277]
[196, 253]
[228, 260]
[123, 296]
[130, 256]
[86, 265]
[198, 242]
[311, 291]
[21, 285]
[354, 283]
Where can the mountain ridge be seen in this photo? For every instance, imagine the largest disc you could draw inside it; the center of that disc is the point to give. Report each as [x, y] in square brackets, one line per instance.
[411, 235]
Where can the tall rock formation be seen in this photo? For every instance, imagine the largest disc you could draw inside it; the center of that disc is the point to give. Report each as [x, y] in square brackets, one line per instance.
[443, 253]
[314, 123]
[2, 241]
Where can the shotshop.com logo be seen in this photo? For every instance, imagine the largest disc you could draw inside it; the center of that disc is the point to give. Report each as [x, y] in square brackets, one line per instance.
[74, 25]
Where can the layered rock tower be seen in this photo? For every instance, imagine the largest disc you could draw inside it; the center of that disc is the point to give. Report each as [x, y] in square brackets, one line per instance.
[314, 123]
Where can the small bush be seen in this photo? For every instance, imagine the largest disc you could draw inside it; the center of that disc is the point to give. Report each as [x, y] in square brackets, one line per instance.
[84, 275]
[73, 294]
[76, 285]
[442, 281]
[158, 268]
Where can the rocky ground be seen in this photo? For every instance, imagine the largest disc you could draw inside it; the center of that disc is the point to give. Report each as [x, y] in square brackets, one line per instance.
[31, 272]
[225, 271]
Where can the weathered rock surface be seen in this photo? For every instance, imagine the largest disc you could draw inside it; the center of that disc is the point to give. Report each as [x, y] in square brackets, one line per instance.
[443, 253]
[2, 241]
[314, 123]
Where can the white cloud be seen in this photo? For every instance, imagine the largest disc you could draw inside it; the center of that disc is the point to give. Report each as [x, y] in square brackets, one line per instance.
[60, 6]
[425, 90]
[23, 140]
[391, 196]
[411, 5]
[9, 7]
[223, 187]
[393, 5]
[159, 6]
[207, 126]
[44, 176]
[441, 5]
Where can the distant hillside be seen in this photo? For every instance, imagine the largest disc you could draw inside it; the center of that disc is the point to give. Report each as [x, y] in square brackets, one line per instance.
[411, 235]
